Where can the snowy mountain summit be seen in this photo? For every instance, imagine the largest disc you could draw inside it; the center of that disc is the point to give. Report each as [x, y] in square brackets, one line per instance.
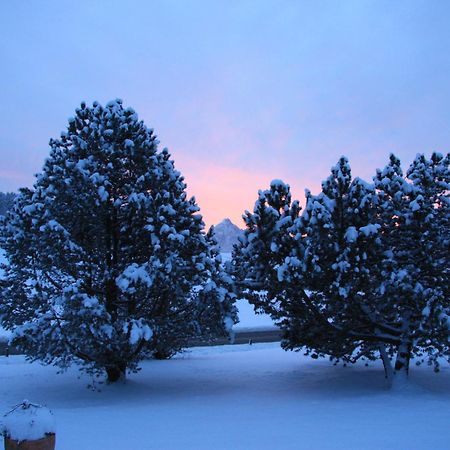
[227, 234]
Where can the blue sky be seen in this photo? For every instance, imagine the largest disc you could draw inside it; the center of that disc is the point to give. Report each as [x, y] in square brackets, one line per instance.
[241, 92]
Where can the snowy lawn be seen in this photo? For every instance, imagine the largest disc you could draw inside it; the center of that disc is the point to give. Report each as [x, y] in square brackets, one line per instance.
[248, 320]
[238, 397]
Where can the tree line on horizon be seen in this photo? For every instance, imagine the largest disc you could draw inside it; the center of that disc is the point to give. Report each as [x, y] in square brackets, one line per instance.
[108, 261]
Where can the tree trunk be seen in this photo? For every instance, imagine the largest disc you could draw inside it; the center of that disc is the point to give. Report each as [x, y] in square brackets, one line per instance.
[403, 353]
[116, 372]
[403, 357]
[388, 370]
[396, 376]
[402, 365]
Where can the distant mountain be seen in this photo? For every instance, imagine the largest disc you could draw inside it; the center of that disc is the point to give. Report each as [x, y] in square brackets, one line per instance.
[227, 234]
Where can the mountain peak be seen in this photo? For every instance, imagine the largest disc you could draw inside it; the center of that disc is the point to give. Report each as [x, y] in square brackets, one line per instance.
[227, 234]
[225, 221]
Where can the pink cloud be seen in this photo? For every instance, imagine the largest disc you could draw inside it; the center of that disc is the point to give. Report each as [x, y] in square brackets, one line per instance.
[223, 191]
[11, 180]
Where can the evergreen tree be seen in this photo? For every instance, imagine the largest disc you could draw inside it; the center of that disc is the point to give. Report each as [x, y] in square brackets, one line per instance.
[363, 272]
[414, 216]
[108, 260]
[337, 271]
[262, 249]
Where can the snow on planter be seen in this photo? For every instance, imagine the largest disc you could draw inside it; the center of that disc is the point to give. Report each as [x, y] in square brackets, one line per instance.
[28, 422]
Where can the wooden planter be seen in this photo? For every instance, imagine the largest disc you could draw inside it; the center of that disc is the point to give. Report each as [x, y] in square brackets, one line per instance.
[46, 443]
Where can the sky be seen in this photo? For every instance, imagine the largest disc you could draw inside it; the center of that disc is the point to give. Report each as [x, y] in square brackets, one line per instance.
[240, 92]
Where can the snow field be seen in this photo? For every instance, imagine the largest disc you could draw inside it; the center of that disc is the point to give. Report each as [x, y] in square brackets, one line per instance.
[248, 320]
[238, 397]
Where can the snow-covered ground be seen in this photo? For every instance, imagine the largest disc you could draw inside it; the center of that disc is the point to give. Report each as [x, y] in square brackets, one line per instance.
[247, 317]
[238, 397]
[248, 320]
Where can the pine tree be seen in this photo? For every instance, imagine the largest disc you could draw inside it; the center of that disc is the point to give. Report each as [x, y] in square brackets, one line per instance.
[414, 224]
[337, 271]
[108, 260]
[263, 248]
[363, 272]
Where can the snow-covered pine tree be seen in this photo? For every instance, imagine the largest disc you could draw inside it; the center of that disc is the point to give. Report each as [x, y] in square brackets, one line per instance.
[365, 274]
[220, 286]
[261, 250]
[337, 269]
[413, 214]
[108, 262]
